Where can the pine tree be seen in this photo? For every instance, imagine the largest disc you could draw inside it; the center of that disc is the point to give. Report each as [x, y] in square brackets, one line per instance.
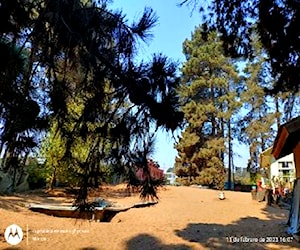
[87, 36]
[19, 113]
[263, 113]
[257, 123]
[208, 102]
[276, 24]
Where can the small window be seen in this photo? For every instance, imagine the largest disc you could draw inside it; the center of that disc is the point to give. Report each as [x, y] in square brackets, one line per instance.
[285, 164]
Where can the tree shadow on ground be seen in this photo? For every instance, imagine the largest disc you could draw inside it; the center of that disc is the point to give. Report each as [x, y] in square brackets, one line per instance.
[146, 241]
[12, 248]
[88, 248]
[119, 193]
[274, 212]
[15, 202]
[246, 233]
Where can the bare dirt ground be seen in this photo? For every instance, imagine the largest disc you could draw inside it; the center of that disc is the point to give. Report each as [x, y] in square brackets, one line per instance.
[184, 218]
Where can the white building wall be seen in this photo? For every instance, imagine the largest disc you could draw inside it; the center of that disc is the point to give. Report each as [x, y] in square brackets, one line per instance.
[277, 167]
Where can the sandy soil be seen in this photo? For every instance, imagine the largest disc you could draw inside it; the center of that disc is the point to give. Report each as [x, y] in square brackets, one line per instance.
[184, 218]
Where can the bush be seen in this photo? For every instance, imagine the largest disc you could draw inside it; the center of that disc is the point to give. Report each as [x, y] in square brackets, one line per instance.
[185, 181]
[37, 175]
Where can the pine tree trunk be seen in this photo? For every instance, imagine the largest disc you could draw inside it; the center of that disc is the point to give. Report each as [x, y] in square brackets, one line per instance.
[213, 118]
[53, 180]
[5, 157]
[229, 154]
[1, 149]
[277, 112]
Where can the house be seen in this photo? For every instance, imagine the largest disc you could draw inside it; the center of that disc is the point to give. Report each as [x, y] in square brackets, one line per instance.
[171, 178]
[288, 141]
[282, 169]
[155, 172]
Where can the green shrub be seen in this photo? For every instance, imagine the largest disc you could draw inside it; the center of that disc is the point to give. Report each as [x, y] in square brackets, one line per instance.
[37, 174]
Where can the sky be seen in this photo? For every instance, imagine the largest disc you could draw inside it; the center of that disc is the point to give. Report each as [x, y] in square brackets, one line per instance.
[175, 24]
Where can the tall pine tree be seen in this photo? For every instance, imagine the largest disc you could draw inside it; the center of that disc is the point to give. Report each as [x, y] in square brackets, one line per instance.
[256, 125]
[208, 102]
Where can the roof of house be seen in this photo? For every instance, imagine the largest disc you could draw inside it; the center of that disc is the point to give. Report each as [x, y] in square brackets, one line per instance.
[287, 137]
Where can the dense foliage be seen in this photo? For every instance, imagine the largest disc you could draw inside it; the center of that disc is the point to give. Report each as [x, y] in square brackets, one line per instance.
[208, 96]
[277, 25]
[118, 100]
[222, 103]
[71, 89]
